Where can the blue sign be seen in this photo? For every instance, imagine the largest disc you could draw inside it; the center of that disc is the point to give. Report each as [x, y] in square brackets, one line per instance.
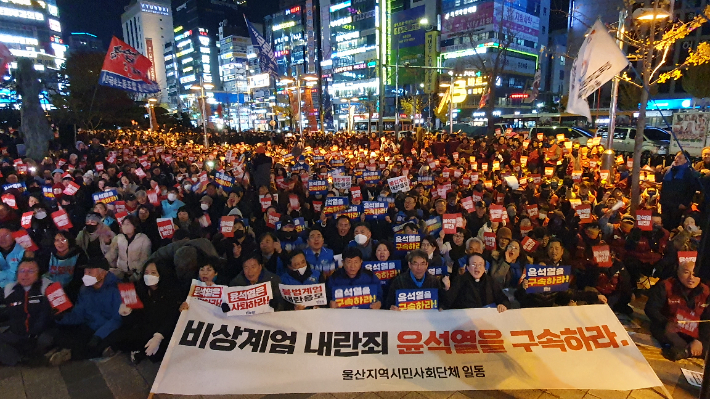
[360, 297]
[674, 103]
[417, 299]
[385, 270]
[547, 278]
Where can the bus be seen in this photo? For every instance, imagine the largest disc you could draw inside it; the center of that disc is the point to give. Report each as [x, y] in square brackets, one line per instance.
[405, 124]
[601, 117]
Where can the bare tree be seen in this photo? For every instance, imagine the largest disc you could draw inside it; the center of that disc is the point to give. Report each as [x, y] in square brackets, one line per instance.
[369, 101]
[492, 64]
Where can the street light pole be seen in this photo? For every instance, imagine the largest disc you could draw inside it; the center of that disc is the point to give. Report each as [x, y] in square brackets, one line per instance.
[202, 87]
[608, 156]
[451, 104]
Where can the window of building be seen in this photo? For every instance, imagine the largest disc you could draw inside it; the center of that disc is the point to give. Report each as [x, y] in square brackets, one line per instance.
[544, 29]
[544, 10]
[562, 75]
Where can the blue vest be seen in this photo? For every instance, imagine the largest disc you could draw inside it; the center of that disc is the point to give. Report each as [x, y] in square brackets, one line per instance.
[61, 270]
[9, 264]
[170, 210]
[325, 261]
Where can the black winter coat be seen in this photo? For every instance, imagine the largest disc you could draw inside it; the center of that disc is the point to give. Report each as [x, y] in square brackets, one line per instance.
[27, 313]
[466, 293]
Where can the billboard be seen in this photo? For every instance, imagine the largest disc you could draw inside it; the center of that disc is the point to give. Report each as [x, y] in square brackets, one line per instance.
[260, 80]
[407, 44]
[431, 55]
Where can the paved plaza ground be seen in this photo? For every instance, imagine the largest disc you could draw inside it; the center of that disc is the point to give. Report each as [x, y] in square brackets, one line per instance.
[117, 377]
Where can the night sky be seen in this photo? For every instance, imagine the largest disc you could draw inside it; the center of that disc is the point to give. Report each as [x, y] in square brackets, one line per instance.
[103, 17]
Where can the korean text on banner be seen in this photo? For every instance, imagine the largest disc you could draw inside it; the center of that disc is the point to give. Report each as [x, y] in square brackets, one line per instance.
[417, 299]
[396, 345]
[304, 295]
[250, 300]
[547, 278]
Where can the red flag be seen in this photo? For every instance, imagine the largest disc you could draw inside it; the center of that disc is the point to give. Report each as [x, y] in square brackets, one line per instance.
[6, 57]
[127, 69]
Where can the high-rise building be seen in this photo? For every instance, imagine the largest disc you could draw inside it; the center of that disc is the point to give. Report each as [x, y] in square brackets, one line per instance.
[473, 32]
[31, 29]
[83, 42]
[233, 69]
[147, 27]
[196, 24]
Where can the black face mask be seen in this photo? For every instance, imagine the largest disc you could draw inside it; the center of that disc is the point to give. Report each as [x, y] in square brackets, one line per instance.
[91, 227]
[239, 234]
[288, 235]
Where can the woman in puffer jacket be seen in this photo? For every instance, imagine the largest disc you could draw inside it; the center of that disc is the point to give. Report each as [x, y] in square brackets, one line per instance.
[129, 250]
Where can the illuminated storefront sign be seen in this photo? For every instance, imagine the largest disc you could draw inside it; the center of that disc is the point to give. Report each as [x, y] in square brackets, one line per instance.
[155, 9]
[284, 25]
[24, 14]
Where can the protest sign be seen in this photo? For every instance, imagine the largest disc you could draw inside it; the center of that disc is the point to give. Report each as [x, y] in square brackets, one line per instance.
[61, 220]
[532, 210]
[407, 242]
[304, 295]
[212, 294]
[9, 200]
[105, 197]
[21, 237]
[468, 204]
[643, 220]
[449, 222]
[547, 278]
[129, 297]
[399, 184]
[335, 204]
[417, 299]
[407, 351]
[374, 210]
[584, 212]
[384, 270]
[57, 298]
[529, 245]
[602, 255]
[489, 239]
[687, 256]
[342, 182]
[496, 212]
[316, 187]
[165, 227]
[226, 226]
[224, 180]
[355, 193]
[26, 220]
[355, 296]
[253, 299]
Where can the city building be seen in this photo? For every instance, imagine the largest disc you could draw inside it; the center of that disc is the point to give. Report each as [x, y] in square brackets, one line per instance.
[195, 50]
[233, 69]
[82, 42]
[557, 62]
[147, 27]
[473, 33]
[31, 29]
[293, 34]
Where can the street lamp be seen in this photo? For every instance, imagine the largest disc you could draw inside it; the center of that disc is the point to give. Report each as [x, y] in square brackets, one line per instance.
[289, 80]
[151, 112]
[201, 87]
[451, 103]
[649, 14]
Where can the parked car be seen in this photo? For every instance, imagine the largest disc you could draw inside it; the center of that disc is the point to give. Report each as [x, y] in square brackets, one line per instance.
[571, 132]
[655, 140]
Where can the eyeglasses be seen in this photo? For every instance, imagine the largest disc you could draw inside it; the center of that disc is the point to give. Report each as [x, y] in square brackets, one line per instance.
[27, 271]
[417, 264]
[62, 240]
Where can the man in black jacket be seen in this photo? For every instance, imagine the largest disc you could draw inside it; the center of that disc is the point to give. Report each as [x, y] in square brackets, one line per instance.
[27, 313]
[414, 278]
[474, 289]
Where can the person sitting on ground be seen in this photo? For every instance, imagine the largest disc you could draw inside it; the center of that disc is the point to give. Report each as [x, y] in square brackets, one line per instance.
[417, 277]
[474, 289]
[676, 306]
[352, 274]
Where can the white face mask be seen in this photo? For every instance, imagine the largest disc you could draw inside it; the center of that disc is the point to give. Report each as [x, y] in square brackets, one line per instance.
[89, 280]
[40, 215]
[150, 280]
[172, 197]
[204, 206]
[302, 270]
[188, 187]
[361, 239]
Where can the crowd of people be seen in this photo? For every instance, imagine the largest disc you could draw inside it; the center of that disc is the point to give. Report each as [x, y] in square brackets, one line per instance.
[87, 218]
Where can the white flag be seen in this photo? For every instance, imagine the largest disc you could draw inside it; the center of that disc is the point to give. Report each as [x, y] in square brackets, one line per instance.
[598, 61]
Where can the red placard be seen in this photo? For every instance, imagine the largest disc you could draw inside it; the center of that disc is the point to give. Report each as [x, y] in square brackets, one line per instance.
[140, 173]
[61, 220]
[273, 218]
[449, 222]
[529, 245]
[226, 226]
[489, 238]
[58, 299]
[523, 160]
[9, 200]
[317, 206]
[537, 179]
[496, 212]
[129, 296]
[532, 210]
[549, 171]
[577, 176]
[294, 201]
[687, 256]
[99, 166]
[21, 237]
[540, 136]
[153, 197]
[265, 201]
[602, 255]
[356, 193]
[71, 188]
[120, 216]
[26, 220]
[468, 204]
[604, 174]
[643, 220]
[476, 196]
[120, 206]
[166, 228]
[584, 212]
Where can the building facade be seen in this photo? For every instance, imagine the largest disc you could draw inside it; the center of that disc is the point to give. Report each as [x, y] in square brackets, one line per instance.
[147, 27]
[84, 42]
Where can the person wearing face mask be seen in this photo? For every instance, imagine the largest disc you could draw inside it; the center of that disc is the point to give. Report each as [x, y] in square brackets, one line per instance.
[146, 332]
[209, 221]
[129, 250]
[95, 237]
[171, 205]
[87, 330]
[363, 240]
[288, 236]
[682, 297]
[474, 289]
[300, 272]
[42, 229]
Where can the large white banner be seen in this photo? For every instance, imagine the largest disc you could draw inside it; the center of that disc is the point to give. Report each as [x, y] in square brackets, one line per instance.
[338, 350]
